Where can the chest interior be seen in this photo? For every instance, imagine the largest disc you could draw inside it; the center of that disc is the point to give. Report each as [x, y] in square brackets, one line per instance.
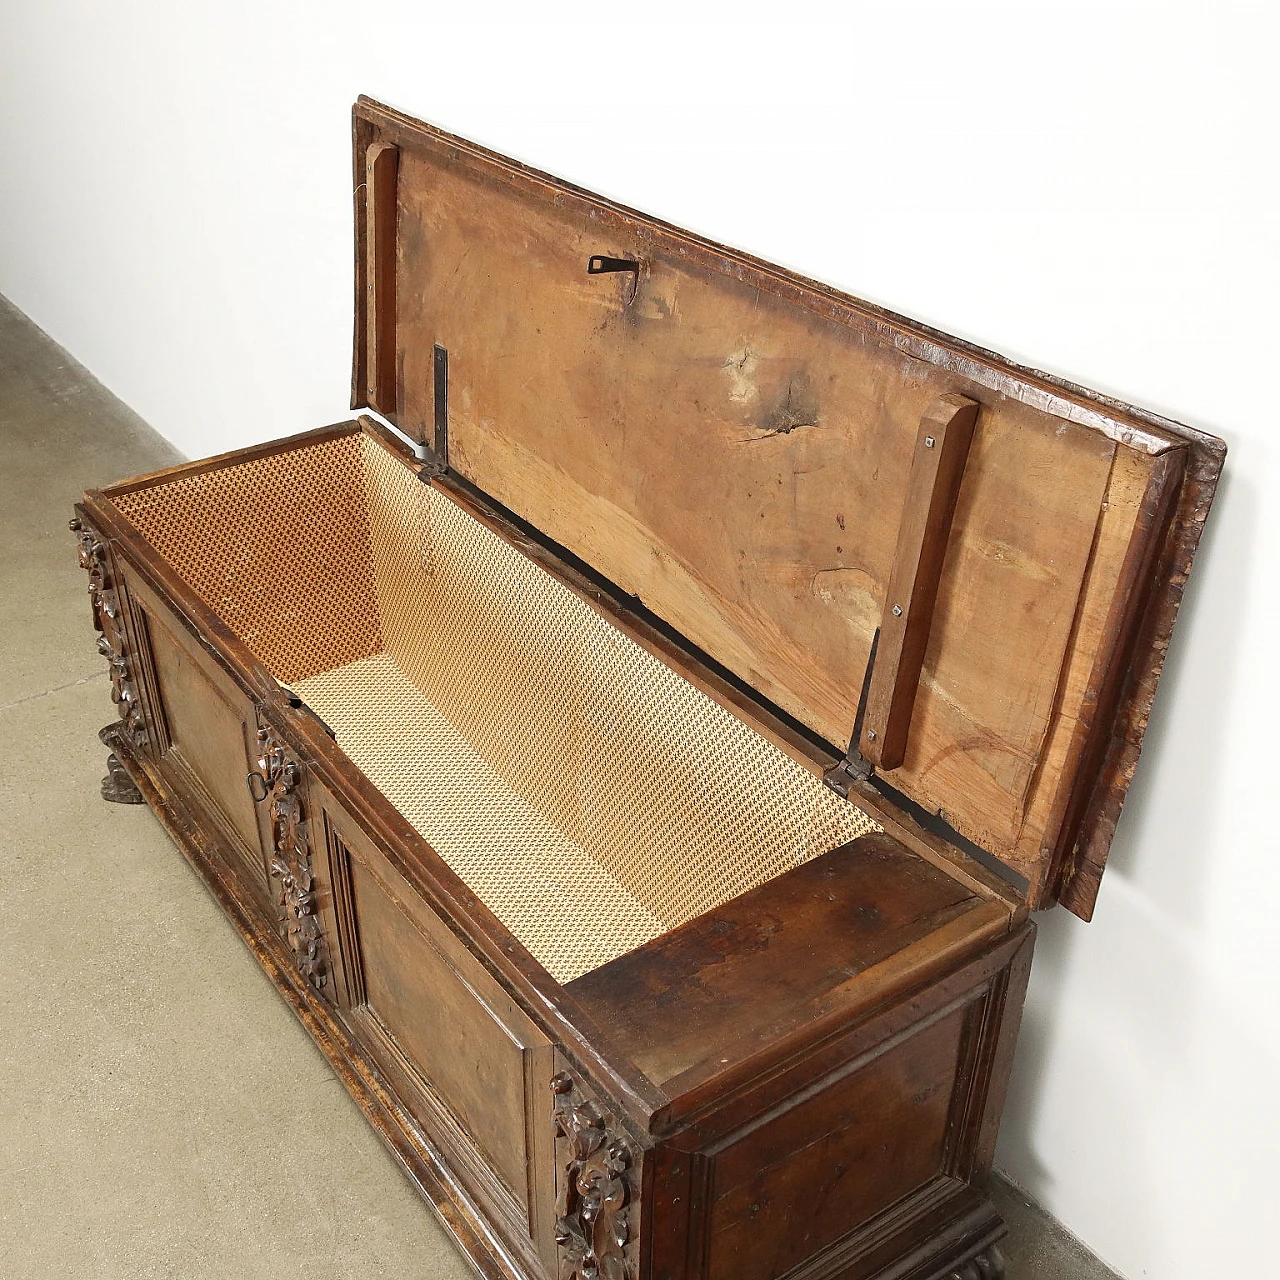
[590, 795]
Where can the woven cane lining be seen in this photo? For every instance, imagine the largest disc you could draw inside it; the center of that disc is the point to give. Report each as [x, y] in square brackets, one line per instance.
[534, 878]
[590, 796]
[279, 548]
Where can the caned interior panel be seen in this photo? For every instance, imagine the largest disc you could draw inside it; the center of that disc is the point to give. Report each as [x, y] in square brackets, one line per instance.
[590, 796]
[561, 903]
[278, 547]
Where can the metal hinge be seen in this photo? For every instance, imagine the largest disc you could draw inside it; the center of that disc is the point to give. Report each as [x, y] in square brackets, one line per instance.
[434, 458]
[430, 463]
[855, 767]
[441, 374]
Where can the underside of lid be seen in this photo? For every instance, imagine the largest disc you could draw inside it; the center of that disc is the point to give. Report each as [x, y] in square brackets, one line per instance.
[788, 477]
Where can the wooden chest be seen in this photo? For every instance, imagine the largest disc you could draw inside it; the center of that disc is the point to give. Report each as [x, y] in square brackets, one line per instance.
[637, 772]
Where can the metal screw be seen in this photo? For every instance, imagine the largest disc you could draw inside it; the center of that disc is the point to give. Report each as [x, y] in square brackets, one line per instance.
[928, 442]
[871, 735]
[897, 611]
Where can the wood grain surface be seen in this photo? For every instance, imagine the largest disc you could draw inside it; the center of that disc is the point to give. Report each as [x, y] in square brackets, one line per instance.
[937, 469]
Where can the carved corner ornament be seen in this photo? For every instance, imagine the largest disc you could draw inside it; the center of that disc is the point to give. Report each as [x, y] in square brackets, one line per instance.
[117, 786]
[104, 600]
[594, 1163]
[278, 777]
[987, 1265]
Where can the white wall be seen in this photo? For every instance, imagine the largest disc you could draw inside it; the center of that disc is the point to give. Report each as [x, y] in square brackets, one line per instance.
[1085, 187]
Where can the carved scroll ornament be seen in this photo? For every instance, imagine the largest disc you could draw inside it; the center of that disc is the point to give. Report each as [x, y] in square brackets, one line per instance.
[278, 777]
[131, 730]
[112, 642]
[593, 1161]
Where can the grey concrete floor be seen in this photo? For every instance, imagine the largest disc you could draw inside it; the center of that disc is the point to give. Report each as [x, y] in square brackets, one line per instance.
[162, 1113]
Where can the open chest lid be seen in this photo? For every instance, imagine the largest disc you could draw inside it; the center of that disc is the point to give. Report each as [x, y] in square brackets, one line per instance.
[862, 519]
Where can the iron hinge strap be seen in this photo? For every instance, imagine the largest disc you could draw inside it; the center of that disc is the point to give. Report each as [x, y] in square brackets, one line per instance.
[855, 767]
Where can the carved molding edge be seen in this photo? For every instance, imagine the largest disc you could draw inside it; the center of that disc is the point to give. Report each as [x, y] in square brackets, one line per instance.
[290, 866]
[987, 1265]
[592, 1210]
[113, 644]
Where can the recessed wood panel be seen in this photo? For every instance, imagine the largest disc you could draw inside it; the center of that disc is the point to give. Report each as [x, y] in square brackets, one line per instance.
[443, 1026]
[791, 1186]
[208, 733]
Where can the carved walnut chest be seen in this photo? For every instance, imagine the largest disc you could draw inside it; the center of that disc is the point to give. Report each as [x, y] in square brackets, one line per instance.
[638, 767]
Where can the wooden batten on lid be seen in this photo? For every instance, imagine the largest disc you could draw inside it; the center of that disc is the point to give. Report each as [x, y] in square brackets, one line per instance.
[792, 478]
